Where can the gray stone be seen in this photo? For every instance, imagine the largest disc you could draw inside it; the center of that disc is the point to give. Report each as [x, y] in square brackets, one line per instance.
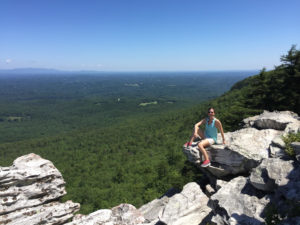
[50, 213]
[237, 199]
[292, 128]
[277, 148]
[101, 216]
[278, 176]
[220, 184]
[219, 220]
[209, 190]
[290, 187]
[250, 143]
[123, 214]
[29, 190]
[277, 141]
[126, 214]
[151, 210]
[188, 207]
[271, 173]
[192, 152]
[30, 181]
[272, 120]
[276, 152]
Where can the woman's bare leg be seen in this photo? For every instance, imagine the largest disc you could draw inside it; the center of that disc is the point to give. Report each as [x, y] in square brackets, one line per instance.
[201, 145]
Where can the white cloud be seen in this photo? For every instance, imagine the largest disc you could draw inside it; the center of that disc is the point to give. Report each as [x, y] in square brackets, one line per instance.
[7, 61]
[99, 65]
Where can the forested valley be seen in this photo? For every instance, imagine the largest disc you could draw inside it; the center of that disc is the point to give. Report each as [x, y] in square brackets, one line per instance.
[118, 138]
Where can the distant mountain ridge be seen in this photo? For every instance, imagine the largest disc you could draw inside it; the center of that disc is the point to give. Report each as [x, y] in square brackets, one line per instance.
[43, 71]
[31, 71]
[34, 71]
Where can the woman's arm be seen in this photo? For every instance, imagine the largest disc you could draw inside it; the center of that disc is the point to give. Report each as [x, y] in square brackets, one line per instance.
[197, 125]
[220, 128]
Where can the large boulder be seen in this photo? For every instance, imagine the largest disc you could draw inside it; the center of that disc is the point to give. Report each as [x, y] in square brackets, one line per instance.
[237, 202]
[30, 189]
[283, 120]
[188, 207]
[271, 173]
[152, 209]
[281, 179]
[243, 151]
[289, 188]
[277, 148]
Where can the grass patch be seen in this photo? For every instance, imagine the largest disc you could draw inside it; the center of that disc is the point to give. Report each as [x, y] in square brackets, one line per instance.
[288, 140]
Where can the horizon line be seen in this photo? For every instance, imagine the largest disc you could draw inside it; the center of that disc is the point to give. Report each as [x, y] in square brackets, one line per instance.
[122, 71]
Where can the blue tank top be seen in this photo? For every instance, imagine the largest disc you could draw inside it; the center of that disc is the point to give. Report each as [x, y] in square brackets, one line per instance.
[210, 130]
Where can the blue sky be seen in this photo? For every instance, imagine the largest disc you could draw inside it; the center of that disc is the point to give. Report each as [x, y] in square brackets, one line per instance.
[147, 35]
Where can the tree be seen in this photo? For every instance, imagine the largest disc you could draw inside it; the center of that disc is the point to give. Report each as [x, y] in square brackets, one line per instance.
[291, 61]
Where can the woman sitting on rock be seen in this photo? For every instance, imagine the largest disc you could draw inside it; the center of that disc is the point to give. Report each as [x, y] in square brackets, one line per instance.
[209, 137]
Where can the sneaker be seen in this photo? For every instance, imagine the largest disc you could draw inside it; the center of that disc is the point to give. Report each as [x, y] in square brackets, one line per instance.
[206, 163]
[188, 144]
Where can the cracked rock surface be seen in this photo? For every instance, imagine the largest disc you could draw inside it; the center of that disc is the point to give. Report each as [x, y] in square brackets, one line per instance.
[187, 207]
[237, 198]
[27, 187]
[123, 214]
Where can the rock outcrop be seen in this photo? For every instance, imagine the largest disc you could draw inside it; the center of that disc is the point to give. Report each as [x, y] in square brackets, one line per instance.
[240, 206]
[48, 213]
[30, 190]
[271, 174]
[188, 207]
[252, 181]
[247, 147]
[286, 121]
[269, 187]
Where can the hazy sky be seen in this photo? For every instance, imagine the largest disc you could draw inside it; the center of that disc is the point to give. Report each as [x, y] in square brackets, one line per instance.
[147, 34]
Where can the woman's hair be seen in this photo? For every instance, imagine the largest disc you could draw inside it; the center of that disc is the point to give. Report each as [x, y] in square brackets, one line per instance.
[210, 109]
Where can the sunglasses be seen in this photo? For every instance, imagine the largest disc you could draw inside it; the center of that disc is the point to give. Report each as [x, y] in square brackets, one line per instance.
[210, 112]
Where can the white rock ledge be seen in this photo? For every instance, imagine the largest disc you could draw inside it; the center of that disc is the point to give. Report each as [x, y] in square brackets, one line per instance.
[247, 147]
[29, 190]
